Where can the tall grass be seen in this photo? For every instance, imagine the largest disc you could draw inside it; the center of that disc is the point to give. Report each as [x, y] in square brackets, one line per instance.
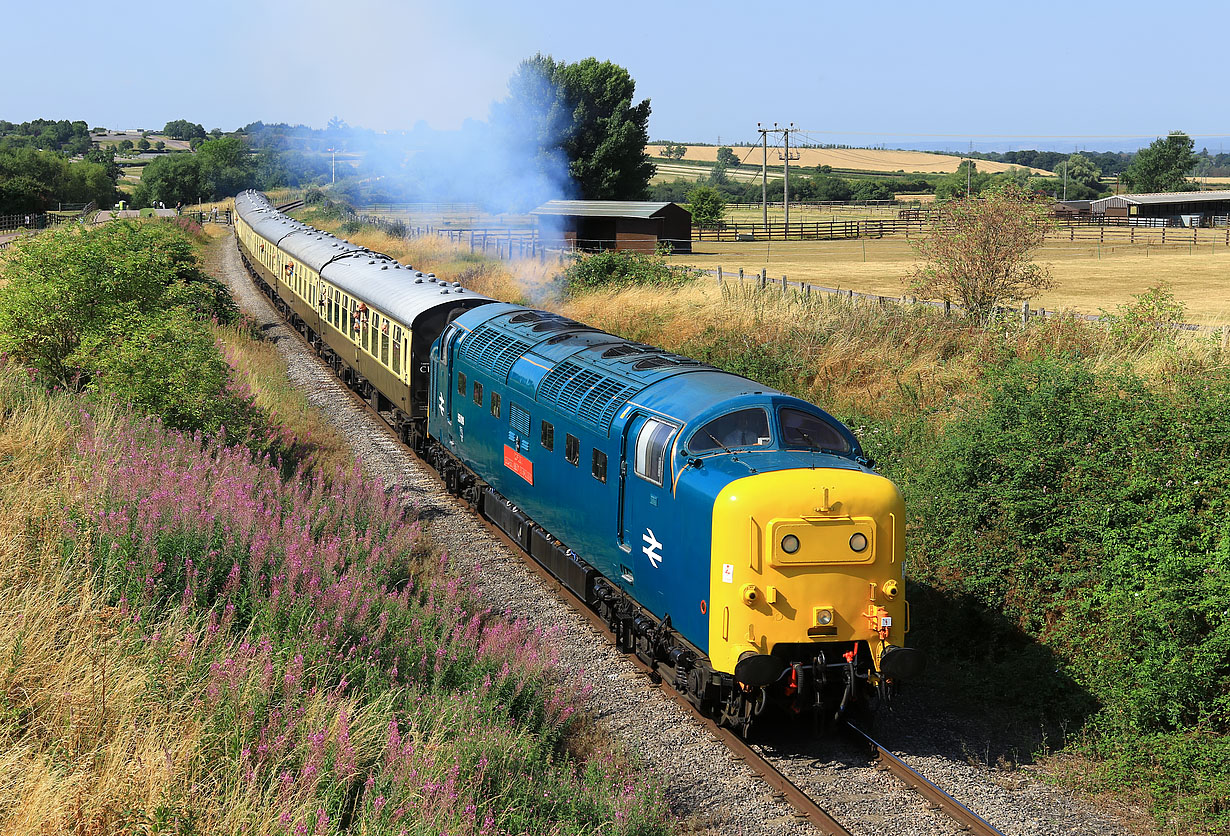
[862, 360]
[193, 644]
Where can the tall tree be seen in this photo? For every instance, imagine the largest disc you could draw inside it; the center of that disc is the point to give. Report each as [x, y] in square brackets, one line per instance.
[583, 114]
[727, 158]
[1164, 166]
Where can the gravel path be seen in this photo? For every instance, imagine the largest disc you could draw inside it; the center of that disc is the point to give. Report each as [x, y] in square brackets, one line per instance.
[708, 789]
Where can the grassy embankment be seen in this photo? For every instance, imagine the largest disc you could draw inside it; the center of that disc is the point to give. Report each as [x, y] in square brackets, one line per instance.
[198, 640]
[1069, 499]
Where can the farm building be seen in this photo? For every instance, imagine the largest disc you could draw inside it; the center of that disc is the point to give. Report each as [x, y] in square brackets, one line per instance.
[1169, 208]
[614, 225]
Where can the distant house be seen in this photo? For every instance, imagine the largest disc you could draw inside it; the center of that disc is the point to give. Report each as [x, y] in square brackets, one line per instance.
[1168, 208]
[614, 225]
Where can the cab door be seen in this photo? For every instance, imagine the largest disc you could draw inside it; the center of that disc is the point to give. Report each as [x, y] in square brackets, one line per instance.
[442, 384]
[648, 525]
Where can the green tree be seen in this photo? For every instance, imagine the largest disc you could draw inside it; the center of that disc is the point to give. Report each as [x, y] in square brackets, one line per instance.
[183, 129]
[142, 144]
[979, 251]
[583, 114]
[727, 158]
[1164, 166]
[707, 205]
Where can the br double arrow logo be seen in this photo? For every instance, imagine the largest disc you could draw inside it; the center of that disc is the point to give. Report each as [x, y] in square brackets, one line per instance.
[651, 547]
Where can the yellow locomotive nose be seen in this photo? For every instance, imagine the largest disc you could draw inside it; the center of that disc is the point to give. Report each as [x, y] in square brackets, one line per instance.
[829, 543]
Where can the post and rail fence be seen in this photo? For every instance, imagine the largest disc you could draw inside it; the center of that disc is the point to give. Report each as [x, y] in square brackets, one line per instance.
[802, 293]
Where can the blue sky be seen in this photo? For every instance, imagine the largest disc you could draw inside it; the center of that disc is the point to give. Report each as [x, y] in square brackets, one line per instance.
[1062, 75]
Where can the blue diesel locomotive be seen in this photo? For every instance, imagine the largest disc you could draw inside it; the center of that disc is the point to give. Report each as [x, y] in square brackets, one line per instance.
[731, 535]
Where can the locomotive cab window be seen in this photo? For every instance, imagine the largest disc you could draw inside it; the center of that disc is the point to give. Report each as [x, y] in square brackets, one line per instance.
[599, 465]
[802, 430]
[478, 393]
[572, 448]
[651, 443]
[548, 435]
[461, 383]
[745, 428]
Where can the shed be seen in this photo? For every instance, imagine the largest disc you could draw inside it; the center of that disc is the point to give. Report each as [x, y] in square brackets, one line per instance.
[614, 225]
[1173, 208]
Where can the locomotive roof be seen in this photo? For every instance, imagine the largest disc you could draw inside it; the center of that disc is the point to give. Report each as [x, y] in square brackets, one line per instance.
[395, 289]
[587, 372]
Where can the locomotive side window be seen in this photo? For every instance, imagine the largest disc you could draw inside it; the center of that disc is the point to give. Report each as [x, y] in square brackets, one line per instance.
[651, 444]
[572, 448]
[495, 404]
[461, 383]
[478, 393]
[548, 435]
[745, 428]
[599, 466]
[810, 432]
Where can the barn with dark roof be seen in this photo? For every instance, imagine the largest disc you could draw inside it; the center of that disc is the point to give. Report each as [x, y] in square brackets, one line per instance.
[1168, 208]
[614, 225]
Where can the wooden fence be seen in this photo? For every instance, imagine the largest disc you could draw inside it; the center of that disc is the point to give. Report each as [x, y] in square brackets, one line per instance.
[803, 292]
[807, 230]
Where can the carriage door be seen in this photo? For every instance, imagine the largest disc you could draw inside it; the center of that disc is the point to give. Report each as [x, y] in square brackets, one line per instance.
[647, 523]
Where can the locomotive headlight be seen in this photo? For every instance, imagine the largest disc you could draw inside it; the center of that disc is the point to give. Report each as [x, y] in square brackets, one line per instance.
[790, 544]
[824, 616]
[858, 542]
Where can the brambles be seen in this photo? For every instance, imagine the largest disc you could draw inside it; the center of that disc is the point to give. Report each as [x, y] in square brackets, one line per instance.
[611, 269]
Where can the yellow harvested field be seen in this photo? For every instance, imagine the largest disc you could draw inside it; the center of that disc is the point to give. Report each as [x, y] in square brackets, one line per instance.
[857, 159]
[1086, 279]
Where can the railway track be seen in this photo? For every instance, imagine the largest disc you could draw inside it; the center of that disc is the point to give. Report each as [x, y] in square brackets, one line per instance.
[806, 807]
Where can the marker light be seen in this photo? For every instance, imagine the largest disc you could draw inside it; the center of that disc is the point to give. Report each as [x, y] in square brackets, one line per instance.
[858, 542]
[790, 544]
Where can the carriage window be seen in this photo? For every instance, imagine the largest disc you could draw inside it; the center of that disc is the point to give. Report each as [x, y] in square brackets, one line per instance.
[599, 468]
[478, 393]
[397, 350]
[810, 432]
[367, 335]
[651, 444]
[384, 343]
[495, 404]
[745, 428]
[548, 435]
[572, 448]
[461, 383]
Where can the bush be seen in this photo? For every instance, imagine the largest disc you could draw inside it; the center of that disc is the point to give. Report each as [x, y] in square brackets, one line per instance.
[1090, 514]
[122, 311]
[622, 268]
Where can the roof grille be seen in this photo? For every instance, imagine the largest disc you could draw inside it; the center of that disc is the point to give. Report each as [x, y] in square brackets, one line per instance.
[593, 397]
[493, 350]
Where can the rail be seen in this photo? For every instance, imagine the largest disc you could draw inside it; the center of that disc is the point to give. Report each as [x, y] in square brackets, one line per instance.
[966, 818]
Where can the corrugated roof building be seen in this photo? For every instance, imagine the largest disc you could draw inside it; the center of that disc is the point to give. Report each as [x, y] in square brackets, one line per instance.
[1180, 208]
[614, 225]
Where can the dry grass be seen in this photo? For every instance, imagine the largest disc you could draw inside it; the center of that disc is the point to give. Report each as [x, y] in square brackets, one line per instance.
[854, 159]
[78, 747]
[1087, 277]
[857, 357]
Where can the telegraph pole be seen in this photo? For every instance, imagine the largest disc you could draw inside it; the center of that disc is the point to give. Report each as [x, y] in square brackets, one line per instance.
[786, 181]
[764, 175]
